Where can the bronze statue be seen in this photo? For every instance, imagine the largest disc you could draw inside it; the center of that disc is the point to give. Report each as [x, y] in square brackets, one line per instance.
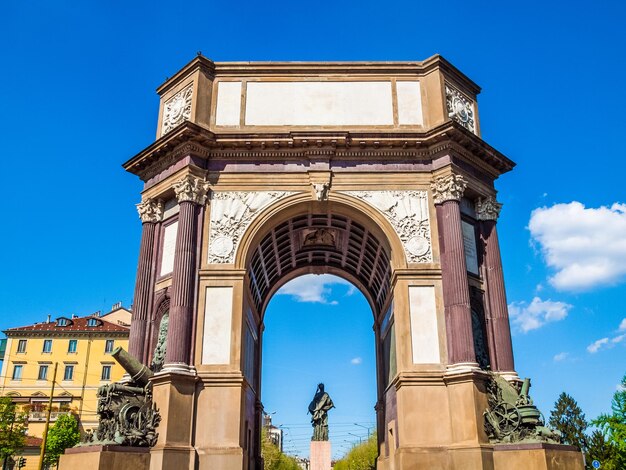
[127, 415]
[319, 408]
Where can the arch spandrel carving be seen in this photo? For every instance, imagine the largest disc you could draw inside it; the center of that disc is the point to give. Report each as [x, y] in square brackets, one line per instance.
[407, 212]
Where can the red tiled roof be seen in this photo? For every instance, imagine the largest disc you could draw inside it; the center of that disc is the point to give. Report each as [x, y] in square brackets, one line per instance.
[76, 325]
[32, 441]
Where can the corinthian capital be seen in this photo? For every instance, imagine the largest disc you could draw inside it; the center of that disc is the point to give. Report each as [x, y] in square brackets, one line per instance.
[191, 188]
[487, 208]
[448, 188]
[150, 211]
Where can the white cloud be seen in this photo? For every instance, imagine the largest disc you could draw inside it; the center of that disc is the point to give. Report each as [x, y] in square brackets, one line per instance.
[527, 317]
[356, 361]
[618, 339]
[312, 288]
[622, 325]
[597, 345]
[586, 246]
[560, 357]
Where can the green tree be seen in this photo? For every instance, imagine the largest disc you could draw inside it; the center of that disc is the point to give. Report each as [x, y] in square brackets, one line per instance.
[12, 429]
[63, 434]
[568, 418]
[602, 451]
[360, 457]
[273, 458]
[614, 425]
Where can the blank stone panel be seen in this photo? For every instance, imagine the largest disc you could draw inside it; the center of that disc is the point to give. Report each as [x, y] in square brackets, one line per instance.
[228, 104]
[218, 314]
[319, 103]
[169, 246]
[424, 331]
[409, 103]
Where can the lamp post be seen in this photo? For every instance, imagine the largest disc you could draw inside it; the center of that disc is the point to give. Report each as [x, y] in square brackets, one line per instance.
[368, 429]
[359, 437]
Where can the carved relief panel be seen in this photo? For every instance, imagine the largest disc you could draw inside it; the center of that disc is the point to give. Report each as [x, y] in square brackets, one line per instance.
[177, 109]
[231, 214]
[407, 211]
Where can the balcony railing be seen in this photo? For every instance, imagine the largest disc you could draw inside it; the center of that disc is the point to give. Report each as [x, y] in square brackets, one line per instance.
[41, 415]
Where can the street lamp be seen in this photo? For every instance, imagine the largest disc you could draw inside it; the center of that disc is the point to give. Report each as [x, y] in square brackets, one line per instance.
[368, 428]
[360, 438]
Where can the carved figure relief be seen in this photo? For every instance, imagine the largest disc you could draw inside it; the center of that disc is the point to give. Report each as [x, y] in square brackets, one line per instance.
[231, 214]
[320, 237]
[158, 358]
[460, 108]
[177, 109]
[407, 211]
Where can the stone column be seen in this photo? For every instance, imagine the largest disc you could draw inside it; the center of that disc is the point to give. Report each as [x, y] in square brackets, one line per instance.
[487, 211]
[191, 192]
[151, 213]
[447, 192]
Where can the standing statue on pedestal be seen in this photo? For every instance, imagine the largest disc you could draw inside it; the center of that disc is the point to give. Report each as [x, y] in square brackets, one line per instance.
[319, 408]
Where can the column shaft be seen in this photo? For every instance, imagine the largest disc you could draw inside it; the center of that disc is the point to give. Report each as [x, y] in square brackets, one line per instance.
[183, 284]
[143, 290]
[455, 287]
[498, 310]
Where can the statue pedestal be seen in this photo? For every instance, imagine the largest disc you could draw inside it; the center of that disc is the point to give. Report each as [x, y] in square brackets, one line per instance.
[105, 457]
[539, 456]
[320, 455]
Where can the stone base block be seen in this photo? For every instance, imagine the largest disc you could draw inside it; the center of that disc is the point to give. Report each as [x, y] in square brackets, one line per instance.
[105, 458]
[538, 456]
[320, 455]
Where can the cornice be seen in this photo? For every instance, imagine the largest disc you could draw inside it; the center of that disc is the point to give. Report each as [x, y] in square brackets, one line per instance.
[189, 139]
[197, 63]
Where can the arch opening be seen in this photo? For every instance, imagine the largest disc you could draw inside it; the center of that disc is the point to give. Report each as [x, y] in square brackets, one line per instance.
[318, 242]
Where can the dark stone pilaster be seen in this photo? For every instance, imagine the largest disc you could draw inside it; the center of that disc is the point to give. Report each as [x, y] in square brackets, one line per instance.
[191, 193]
[447, 192]
[151, 213]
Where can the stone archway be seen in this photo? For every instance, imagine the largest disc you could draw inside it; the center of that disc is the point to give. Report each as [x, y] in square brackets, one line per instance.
[375, 171]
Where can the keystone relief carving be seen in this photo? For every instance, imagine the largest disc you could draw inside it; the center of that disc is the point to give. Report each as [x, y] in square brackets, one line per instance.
[231, 214]
[407, 211]
[177, 109]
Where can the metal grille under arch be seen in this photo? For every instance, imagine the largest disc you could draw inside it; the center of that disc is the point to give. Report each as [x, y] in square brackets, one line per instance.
[324, 241]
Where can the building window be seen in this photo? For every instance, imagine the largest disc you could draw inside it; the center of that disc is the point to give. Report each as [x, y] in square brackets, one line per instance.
[21, 346]
[43, 373]
[17, 372]
[93, 322]
[62, 322]
[69, 373]
[47, 345]
[71, 347]
[108, 347]
[106, 373]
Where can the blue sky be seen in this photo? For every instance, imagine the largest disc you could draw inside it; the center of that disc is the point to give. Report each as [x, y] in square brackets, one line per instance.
[78, 99]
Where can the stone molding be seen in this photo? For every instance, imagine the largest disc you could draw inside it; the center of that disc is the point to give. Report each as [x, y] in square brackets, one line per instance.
[177, 109]
[487, 208]
[192, 189]
[150, 211]
[407, 212]
[232, 212]
[448, 188]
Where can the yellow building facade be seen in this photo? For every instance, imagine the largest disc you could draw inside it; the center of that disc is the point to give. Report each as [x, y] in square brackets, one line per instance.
[81, 348]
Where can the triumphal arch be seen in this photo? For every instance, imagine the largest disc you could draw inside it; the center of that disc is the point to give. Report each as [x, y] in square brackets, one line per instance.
[373, 171]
